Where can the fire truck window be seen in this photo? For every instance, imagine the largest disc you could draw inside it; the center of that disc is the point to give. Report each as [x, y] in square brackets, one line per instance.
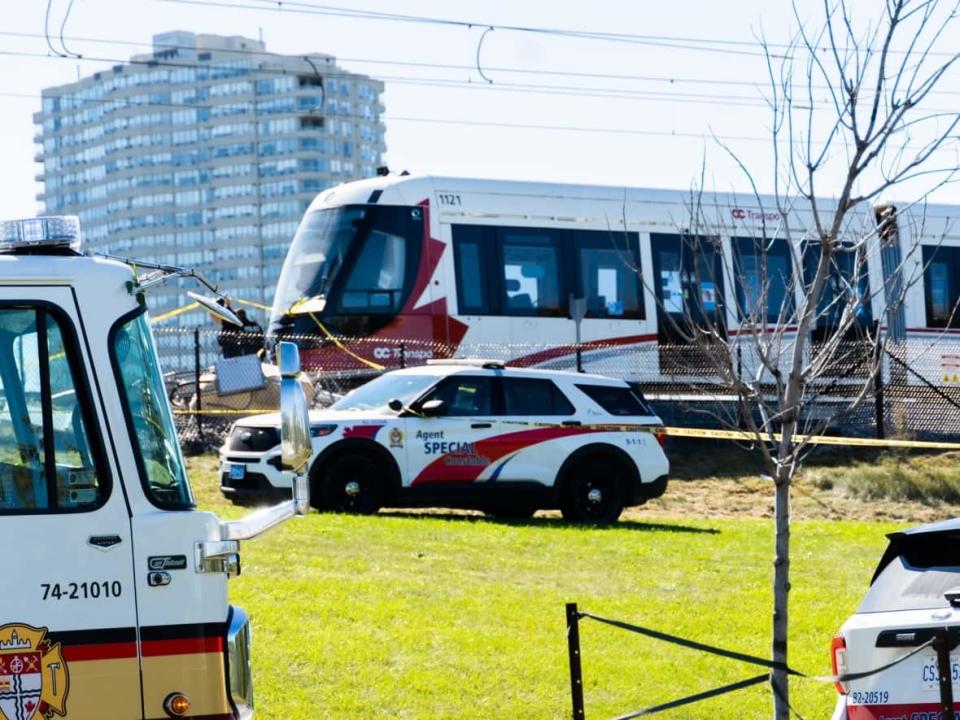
[45, 458]
[162, 469]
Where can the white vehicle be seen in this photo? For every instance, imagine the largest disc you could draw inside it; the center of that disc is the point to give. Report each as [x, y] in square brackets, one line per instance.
[114, 587]
[446, 265]
[915, 591]
[472, 434]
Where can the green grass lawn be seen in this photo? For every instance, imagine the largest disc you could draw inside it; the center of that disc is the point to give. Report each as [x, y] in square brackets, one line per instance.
[402, 615]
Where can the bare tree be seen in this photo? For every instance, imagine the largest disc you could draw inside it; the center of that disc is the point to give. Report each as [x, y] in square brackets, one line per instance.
[850, 122]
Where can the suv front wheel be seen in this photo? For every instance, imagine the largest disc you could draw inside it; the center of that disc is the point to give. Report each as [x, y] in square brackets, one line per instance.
[350, 485]
[592, 491]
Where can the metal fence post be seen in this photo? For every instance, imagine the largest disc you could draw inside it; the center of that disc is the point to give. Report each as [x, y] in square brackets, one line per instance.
[941, 643]
[878, 390]
[403, 356]
[573, 648]
[196, 380]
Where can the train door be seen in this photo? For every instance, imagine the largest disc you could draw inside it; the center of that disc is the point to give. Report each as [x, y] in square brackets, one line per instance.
[688, 282]
[847, 287]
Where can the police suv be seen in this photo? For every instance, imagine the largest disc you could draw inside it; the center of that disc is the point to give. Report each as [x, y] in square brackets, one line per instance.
[914, 593]
[468, 434]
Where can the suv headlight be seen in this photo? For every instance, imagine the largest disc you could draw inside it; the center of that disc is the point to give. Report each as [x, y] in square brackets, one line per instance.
[239, 672]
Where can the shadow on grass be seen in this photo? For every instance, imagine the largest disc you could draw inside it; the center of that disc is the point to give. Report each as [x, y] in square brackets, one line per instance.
[549, 522]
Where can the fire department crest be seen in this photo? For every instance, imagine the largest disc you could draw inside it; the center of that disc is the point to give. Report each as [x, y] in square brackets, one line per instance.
[33, 675]
[396, 438]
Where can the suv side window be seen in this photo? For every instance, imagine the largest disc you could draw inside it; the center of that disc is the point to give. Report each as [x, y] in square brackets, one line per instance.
[463, 395]
[46, 458]
[616, 400]
[527, 396]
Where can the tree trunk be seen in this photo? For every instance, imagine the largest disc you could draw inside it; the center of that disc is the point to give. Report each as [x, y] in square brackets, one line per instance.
[781, 589]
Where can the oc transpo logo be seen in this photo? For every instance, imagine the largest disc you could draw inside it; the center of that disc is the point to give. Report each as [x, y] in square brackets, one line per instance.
[33, 675]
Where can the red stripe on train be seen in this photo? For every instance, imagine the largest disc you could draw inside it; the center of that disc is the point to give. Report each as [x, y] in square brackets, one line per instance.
[564, 350]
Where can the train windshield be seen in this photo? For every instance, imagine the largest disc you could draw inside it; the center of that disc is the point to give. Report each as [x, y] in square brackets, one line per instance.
[353, 259]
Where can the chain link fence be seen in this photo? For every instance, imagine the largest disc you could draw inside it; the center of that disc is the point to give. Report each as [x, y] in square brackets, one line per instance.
[916, 394]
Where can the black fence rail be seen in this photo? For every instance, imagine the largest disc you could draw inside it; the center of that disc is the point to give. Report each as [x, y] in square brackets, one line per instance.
[942, 642]
[911, 391]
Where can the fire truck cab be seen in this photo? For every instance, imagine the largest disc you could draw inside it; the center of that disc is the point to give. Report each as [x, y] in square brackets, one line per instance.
[114, 586]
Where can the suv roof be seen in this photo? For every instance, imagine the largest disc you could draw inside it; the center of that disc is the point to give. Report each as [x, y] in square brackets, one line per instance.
[471, 366]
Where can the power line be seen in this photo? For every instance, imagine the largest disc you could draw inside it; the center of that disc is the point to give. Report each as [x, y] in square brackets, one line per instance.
[676, 42]
[561, 90]
[556, 90]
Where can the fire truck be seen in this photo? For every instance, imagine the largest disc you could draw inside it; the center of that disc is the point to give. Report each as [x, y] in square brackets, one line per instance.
[114, 590]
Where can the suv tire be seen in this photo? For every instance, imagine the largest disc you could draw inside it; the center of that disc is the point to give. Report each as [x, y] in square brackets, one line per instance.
[592, 490]
[349, 484]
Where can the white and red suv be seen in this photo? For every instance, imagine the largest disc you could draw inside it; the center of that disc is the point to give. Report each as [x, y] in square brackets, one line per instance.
[467, 434]
[915, 592]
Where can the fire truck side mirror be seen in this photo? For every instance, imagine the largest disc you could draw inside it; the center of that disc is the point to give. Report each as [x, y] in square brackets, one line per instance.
[295, 447]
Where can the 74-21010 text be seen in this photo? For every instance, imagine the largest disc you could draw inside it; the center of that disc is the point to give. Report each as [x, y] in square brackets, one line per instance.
[91, 590]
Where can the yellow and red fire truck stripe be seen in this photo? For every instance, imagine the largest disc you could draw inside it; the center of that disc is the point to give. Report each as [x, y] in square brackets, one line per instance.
[105, 669]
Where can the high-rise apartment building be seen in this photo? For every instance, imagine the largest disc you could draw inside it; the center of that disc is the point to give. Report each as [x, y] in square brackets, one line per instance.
[205, 153]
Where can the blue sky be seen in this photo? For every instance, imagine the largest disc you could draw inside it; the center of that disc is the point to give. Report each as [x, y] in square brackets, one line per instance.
[578, 119]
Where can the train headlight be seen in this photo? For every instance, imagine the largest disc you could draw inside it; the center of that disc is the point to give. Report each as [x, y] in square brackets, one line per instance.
[239, 671]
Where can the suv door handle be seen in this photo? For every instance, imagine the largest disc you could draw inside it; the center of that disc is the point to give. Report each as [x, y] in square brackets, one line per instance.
[571, 423]
[478, 426]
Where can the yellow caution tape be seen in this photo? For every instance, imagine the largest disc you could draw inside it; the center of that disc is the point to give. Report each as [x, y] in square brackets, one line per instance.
[251, 303]
[225, 411]
[174, 313]
[341, 346]
[744, 435]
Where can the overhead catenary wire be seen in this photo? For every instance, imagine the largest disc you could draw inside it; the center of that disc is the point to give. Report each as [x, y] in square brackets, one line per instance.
[542, 72]
[725, 46]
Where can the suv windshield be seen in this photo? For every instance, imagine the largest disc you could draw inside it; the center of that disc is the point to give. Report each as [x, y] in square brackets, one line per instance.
[377, 393]
[162, 469]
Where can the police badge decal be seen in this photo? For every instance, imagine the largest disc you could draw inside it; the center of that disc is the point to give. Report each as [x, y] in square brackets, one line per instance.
[33, 675]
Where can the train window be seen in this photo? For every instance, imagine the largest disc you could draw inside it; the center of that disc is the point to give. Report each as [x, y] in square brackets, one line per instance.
[376, 282]
[531, 273]
[765, 274]
[609, 274]
[471, 270]
[688, 275]
[941, 285]
[847, 282]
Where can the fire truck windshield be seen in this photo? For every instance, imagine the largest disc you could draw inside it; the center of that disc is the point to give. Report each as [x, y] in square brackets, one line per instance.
[162, 469]
[349, 260]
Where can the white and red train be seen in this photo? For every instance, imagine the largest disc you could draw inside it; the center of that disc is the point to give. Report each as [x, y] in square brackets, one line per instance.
[453, 266]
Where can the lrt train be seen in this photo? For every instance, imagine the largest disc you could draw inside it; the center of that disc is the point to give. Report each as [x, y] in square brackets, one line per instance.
[451, 266]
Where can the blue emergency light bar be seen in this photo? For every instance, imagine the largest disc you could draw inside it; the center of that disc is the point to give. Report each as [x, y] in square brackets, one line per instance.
[54, 231]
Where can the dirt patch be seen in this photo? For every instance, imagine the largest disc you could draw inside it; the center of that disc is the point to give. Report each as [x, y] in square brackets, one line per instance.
[722, 480]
